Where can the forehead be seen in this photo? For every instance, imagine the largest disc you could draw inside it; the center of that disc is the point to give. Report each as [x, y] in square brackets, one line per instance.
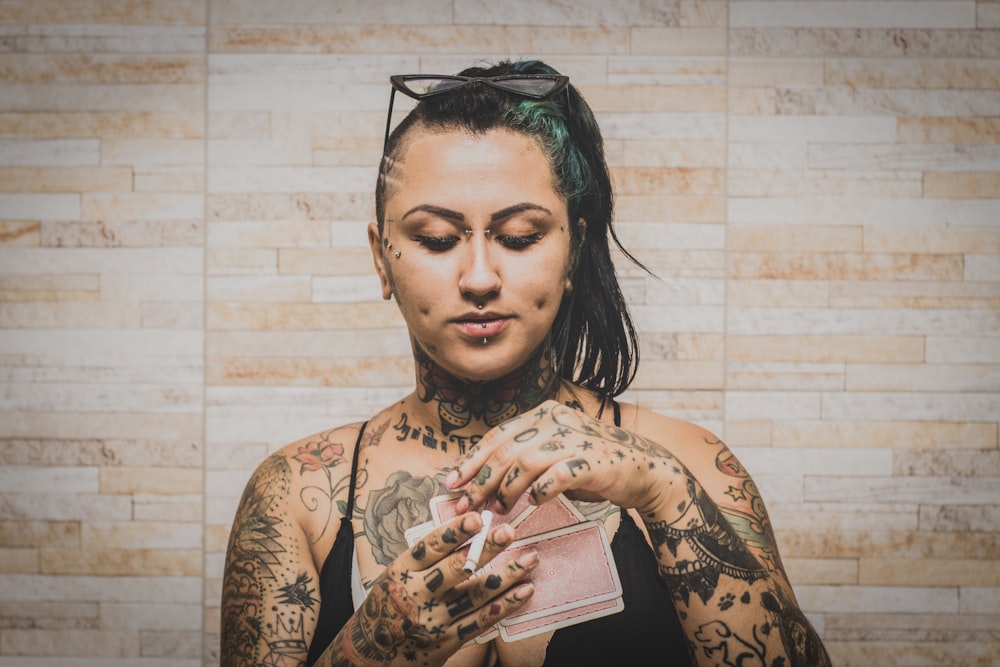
[457, 162]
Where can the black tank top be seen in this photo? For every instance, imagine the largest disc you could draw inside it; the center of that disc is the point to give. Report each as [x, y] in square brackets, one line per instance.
[645, 632]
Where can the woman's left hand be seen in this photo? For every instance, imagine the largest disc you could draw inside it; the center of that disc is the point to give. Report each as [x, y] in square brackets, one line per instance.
[556, 449]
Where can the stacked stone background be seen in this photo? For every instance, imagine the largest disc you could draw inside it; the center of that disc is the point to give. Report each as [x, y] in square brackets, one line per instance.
[185, 284]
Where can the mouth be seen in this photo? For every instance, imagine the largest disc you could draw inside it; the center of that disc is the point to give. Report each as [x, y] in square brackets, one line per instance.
[482, 327]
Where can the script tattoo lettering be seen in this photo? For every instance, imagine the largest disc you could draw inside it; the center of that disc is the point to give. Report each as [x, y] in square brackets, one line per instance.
[427, 437]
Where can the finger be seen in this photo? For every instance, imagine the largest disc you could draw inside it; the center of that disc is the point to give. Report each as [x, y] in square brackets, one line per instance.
[495, 611]
[490, 584]
[442, 541]
[562, 477]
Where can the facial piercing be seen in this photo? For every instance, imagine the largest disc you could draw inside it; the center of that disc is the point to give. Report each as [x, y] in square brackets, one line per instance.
[484, 325]
[479, 306]
[484, 340]
[398, 253]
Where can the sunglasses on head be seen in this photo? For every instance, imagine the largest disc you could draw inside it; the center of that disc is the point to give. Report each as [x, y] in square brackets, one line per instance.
[422, 86]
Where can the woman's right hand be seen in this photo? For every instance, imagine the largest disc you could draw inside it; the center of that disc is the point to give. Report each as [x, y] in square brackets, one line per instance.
[424, 606]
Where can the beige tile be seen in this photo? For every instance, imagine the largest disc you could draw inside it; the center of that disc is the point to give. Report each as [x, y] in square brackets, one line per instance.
[770, 292]
[906, 73]
[799, 238]
[186, 12]
[845, 266]
[831, 42]
[101, 68]
[688, 42]
[292, 317]
[928, 572]
[97, 643]
[784, 376]
[948, 130]
[830, 571]
[672, 154]
[20, 233]
[923, 377]
[654, 374]
[150, 480]
[748, 433]
[310, 371]
[972, 185]
[149, 206]
[325, 261]
[379, 38]
[899, 435]
[752, 101]
[18, 560]
[145, 124]
[852, 14]
[977, 653]
[688, 208]
[122, 562]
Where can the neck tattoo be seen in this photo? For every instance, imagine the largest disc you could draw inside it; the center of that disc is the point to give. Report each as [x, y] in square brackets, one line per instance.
[460, 402]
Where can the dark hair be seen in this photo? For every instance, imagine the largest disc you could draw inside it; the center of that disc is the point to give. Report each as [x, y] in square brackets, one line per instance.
[593, 339]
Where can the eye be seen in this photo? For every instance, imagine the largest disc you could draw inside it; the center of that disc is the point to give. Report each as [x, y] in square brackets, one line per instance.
[436, 243]
[519, 242]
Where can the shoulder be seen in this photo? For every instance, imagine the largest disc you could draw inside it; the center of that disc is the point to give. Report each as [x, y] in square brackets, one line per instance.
[702, 452]
[325, 449]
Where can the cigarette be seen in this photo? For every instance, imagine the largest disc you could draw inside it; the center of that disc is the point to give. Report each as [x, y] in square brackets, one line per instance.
[477, 544]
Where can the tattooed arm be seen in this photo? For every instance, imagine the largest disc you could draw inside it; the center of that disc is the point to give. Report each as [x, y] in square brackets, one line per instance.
[706, 523]
[419, 611]
[269, 597]
[719, 559]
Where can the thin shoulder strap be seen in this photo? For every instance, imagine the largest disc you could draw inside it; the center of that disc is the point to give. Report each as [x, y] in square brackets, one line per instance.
[354, 472]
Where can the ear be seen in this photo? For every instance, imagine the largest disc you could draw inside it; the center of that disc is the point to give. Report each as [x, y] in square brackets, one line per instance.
[378, 258]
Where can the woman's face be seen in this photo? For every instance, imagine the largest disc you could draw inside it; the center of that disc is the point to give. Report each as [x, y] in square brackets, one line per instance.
[483, 244]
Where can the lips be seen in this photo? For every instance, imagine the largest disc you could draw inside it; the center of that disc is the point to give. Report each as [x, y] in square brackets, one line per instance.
[483, 325]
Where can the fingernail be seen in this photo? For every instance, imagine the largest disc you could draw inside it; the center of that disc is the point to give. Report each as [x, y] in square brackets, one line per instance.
[451, 479]
[528, 560]
[463, 504]
[523, 592]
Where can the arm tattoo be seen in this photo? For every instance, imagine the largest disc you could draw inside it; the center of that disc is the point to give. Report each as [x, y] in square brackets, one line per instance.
[713, 548]
[252, 561]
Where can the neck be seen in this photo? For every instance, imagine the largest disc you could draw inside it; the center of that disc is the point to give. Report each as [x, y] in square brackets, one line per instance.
[453, 404]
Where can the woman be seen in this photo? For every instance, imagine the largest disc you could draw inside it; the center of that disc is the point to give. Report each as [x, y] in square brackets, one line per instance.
[494, 212]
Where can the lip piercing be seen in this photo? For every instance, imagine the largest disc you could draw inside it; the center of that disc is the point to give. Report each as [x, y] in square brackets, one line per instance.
[479, 306]
[484, 325]
[484, 340]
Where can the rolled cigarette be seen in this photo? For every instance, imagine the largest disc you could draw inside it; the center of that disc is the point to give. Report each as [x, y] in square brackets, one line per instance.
[477, 544]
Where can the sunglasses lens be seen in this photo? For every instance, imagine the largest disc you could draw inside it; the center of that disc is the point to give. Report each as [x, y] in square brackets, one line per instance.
[529, 87]
[422, 86]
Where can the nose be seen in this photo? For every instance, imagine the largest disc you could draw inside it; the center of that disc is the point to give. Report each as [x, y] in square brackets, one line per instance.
[480, 275]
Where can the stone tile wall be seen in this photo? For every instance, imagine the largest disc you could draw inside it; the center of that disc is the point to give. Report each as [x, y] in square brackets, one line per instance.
[185, 285]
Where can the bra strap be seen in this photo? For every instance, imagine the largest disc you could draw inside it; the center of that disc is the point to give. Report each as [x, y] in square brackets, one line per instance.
[354, 473]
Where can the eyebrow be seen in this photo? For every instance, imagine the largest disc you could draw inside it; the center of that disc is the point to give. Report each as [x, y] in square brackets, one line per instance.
[455, 216]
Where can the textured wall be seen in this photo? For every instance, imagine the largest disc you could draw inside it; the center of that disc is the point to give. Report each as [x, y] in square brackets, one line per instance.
[185, 286]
